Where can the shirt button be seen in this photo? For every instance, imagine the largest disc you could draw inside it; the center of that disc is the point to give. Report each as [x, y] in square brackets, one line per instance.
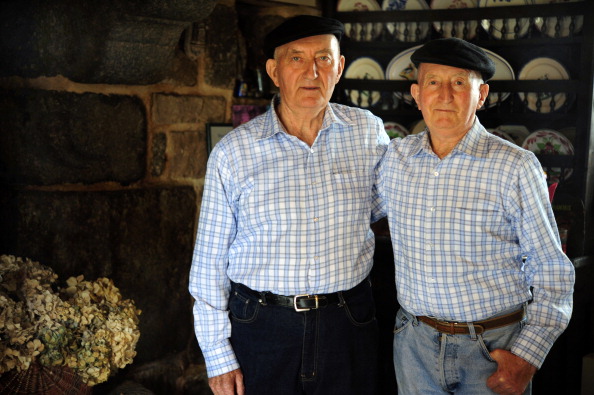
[436, 173]
[432, 209]
[315, 219]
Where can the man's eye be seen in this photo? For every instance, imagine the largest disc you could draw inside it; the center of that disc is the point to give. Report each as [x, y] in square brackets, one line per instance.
[295, 58]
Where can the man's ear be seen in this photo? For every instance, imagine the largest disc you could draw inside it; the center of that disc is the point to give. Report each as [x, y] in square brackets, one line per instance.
[414, 91]
[483, 93]
[340, 67]
[271, 70]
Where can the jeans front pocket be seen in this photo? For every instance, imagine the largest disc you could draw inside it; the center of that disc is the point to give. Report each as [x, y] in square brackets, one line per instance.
[242, 308]
[403, 320]
[360, 308]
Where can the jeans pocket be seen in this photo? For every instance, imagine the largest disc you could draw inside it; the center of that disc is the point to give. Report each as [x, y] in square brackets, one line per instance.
[242, 308]
[403, 321]
[500, 338]
[360, 308]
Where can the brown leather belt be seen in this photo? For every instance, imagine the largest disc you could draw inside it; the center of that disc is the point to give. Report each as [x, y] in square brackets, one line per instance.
[461, 328]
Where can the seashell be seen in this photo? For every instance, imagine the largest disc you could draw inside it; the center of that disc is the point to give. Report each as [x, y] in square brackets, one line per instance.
[43, 380]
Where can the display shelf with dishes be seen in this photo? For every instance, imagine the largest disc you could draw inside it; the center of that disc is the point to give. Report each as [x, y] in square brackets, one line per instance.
[542, 50]
[541, 97]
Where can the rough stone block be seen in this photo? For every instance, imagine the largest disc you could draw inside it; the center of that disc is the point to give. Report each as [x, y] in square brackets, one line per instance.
[49, 137]
[189, 155]
[172, 109]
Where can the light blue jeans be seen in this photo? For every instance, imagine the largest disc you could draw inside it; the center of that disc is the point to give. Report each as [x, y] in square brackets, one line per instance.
[429, 362]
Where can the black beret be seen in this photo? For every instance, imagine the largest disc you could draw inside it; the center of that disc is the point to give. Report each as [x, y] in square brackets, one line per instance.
[456, 53]
[301, 26]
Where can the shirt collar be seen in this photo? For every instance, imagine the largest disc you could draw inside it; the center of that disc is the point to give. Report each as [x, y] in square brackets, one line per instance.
[474, 142]
[272, 123]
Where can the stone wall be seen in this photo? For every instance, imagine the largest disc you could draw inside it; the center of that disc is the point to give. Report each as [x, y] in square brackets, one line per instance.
[103, 115]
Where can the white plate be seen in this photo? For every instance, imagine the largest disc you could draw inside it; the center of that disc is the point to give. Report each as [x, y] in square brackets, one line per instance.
[548, 25]
[401, 68]
[449, 26]
[517, 132]
[418, 127]
[395, 130]
[543, 69]
[550, 142]
[407, 31]
[503, 71]
[364, 68]
[360, 31]
[509, 23]
[502, 134]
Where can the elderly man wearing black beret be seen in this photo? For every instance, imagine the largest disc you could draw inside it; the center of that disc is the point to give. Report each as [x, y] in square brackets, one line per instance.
[283, 303]
[483, 283]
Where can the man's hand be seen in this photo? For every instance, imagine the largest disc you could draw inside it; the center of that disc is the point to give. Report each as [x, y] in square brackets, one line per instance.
[513, 373]
[227, 384]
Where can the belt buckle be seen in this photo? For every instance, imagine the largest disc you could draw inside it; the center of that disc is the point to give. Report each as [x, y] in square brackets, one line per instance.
[297, 297]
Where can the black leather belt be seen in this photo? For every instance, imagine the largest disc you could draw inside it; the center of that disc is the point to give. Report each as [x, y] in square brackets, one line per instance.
[461, 328]
[303, 302]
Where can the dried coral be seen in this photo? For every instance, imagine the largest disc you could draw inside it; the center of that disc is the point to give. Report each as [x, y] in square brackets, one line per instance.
[86, 325]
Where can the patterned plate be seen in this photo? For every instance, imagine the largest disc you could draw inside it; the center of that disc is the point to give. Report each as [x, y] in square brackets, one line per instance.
[505, 29]
[455, 29]
[549, 26]
[364, 69]
[503, 71]
[407, 31]
[395, 130]
[550, 142]
[360, 31]
[543, 69]
[401, 68]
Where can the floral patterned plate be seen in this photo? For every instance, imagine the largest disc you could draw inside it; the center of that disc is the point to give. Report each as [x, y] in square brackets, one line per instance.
[460, 29]
[395, 130]
[550, 142]
[360, 31]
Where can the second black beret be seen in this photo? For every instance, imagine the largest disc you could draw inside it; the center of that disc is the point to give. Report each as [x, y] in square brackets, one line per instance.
[301, 26]
[456, 53]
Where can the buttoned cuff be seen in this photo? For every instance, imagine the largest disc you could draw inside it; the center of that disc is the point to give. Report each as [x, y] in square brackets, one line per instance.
[220, 359]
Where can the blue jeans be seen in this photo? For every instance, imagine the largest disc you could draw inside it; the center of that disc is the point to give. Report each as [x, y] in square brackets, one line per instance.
[331, 350]
[429, 362]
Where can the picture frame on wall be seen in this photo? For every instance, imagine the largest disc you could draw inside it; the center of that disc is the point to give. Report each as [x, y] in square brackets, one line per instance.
[215, 132]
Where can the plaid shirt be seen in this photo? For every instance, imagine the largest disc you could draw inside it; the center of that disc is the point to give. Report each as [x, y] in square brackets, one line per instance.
[278, 215]
[473, 232]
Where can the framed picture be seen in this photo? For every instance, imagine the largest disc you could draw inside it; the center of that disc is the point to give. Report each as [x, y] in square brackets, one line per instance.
[215, 132]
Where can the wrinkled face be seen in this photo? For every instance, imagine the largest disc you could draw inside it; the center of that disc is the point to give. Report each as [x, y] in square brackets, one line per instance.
[448, 97]
[306, 71]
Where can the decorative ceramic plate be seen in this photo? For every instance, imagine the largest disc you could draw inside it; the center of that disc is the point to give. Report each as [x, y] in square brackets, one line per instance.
[502, 134]
[360, 31]
[505, 28]
[455, 29]
[364, 69]
[418, 127]
[395, 130]
[357, 5]
[550, 142]
[407, 31]
[543, 69]
[558, 27]
[401, 68]
[517, 132]
[503, 71]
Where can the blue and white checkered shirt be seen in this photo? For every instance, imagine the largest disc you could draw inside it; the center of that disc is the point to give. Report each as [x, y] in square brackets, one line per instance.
[278, 215]
[460, 227]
